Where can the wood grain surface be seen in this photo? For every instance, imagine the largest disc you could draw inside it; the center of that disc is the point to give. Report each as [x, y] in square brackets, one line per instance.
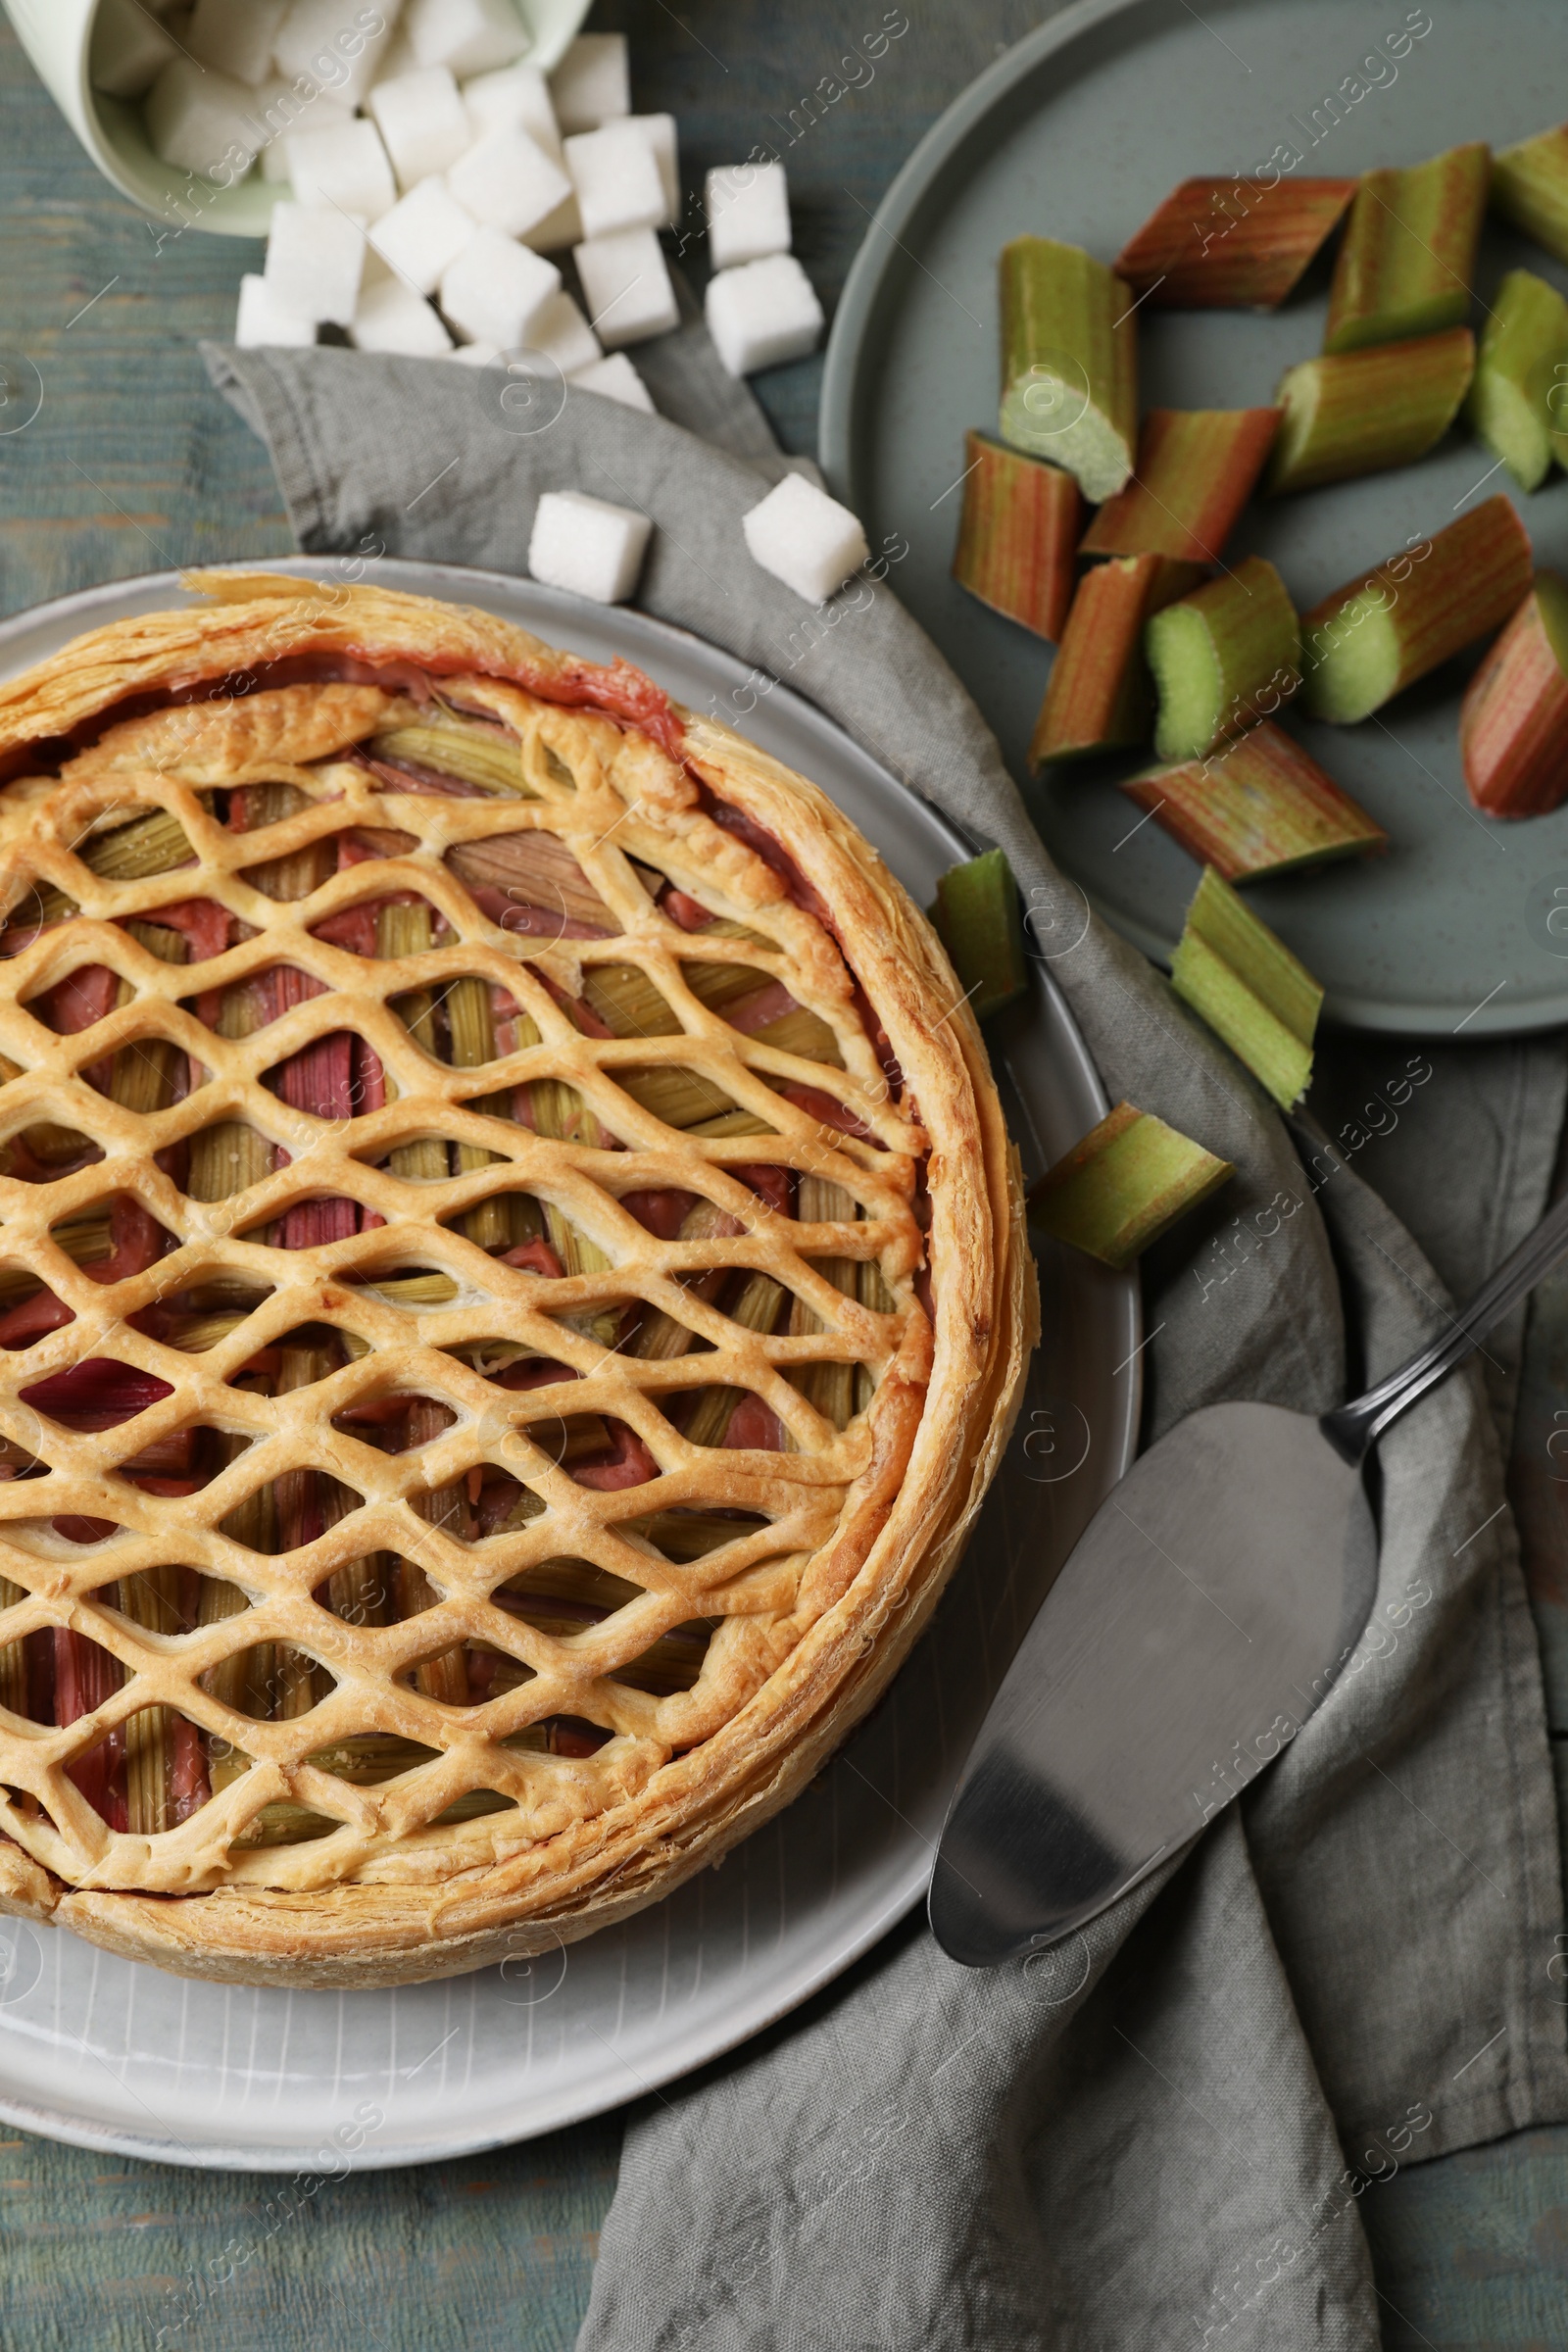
[130, 465]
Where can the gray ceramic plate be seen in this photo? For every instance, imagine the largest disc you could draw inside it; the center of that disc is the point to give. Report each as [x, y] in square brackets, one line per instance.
[109, 2054]
[1077, 133]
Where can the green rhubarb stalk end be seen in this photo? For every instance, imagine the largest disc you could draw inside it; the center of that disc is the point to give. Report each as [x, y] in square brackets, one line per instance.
[979, 921]
[1530, 188]
[1389, 627]
[1124, 1185]
[1216, 653]
[1521, 382]
[1069, 382]
[1254, 995]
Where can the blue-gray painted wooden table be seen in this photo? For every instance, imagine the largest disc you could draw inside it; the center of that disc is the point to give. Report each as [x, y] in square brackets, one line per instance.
[132, 464]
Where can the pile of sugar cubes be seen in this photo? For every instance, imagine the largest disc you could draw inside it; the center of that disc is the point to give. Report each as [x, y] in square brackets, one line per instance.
[428, 172]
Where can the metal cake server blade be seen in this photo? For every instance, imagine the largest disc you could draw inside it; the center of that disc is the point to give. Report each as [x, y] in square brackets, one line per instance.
[1204, 1615]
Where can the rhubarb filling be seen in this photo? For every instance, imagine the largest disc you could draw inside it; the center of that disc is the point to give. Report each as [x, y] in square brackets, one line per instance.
[448, 1113]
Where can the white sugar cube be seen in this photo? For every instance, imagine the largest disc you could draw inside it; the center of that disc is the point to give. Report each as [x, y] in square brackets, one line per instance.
[616, 179]
[591, 85]
[346, 168]
[476, 355]
[495, 289]
[471, 37]
[587, 546]
[397, 59]
[509, 183]
[804, 538]
[616, 378]
[516, 98]
[279, 110]
[628, 287]
[558, 229]
[748, 209]
[423, 234]
[391, 317]
[200, 120]
[660, 132]
[327, 42]
[262, 320]
[559, 337]
[763, 313]
[314, 260]
[422, 121]
[237, 36]
[129, 50]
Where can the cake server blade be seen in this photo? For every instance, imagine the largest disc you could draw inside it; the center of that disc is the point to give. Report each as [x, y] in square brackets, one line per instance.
[1202, 1618]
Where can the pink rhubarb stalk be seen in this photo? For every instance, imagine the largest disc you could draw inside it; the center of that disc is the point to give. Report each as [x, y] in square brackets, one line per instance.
[1099, 696]
[1260, 807]
[1232, 244]
[1196, 471]
[1513, 723]
[1018, 536]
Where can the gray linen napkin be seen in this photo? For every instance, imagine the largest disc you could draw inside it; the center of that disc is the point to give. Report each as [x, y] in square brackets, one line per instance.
[1159, 2134]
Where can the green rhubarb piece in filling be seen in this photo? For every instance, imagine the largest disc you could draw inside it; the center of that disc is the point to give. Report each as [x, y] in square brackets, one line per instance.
[1408, 254]
[1069, 363]
[1222, 658]
[980, 923]
[1530, 188]
[1359, 411]
[1521, 368]
[1247, 985]
[1124, 1185]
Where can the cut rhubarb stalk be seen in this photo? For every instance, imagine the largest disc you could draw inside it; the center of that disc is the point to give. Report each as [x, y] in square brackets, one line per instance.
[716, 1411]
[152, 845]
[1249, 989]
[1260, 807]
[150, 1600]
[1389, 626]
[471, 1035]
[302, 870]
[152, 1073]
[1530, 188]
[1219, 656]
[468, 750]
[831, 1388]
[1124, 1185]
[1021, 521]
[1232, 244]
[1099, 697]
[978, 921]
[1410, 251]
[1363, 411]
[1196, 472]
[12, 1656]
[1513, 723]
[1522, 364]
[1069, 363]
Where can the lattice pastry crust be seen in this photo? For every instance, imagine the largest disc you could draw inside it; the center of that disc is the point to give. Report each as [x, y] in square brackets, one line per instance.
[512, 1278]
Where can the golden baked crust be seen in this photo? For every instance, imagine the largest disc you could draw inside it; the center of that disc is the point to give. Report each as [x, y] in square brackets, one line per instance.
[717, 1544]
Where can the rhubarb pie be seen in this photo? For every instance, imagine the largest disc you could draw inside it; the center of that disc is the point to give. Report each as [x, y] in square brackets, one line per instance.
[511, 1275]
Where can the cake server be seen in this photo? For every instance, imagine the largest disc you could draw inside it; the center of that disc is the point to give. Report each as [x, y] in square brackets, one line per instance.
[1206, 1612]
